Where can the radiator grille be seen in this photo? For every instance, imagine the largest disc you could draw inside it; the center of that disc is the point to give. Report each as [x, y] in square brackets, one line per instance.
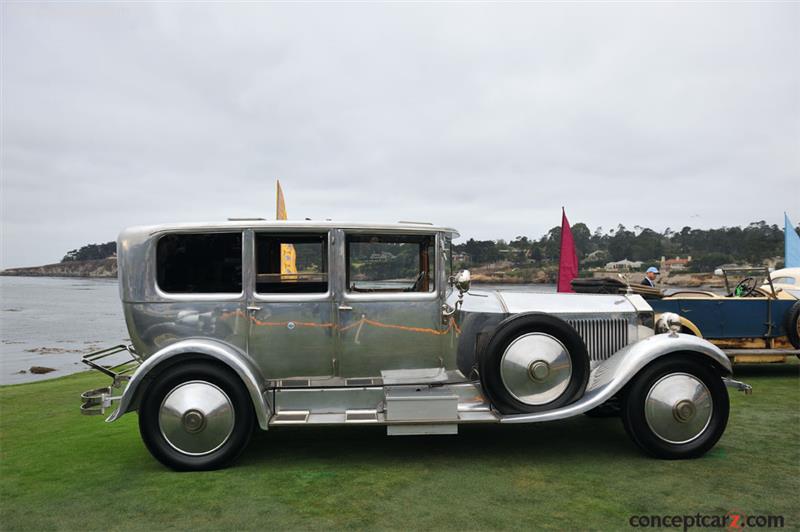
[603, 336]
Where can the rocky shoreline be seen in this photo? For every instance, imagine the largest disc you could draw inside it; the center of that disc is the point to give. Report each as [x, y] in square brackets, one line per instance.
[101, 268]
[107, 269]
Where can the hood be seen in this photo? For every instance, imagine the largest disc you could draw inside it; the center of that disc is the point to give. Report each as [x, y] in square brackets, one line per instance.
[515, 302]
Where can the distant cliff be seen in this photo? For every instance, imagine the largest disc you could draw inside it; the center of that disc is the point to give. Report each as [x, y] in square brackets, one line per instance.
[76, 268]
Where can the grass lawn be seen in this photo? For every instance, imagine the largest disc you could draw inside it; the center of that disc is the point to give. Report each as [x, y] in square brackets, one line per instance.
[61, 470]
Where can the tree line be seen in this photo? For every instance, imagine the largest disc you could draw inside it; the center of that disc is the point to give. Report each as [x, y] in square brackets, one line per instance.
[708, 248]
[91, 252]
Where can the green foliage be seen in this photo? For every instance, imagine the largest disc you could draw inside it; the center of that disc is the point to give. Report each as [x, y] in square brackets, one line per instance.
[481, 251]
[583, 239]
[91, 252]
[308, 257]
[709, 248]
[381, 261]
[63, 471]
[707, 262]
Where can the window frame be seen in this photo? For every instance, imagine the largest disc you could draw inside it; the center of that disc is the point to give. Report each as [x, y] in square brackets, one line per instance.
[200, 296]
[289, 297]
[348, 295]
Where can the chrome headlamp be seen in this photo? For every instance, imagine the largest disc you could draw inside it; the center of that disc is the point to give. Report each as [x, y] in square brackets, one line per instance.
[646, 319]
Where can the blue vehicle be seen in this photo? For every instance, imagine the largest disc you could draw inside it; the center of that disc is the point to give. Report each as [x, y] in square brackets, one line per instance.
[753, 322]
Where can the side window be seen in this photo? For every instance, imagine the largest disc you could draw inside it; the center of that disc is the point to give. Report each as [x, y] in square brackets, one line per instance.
[203, 263]
[391, 263]
[291, 263]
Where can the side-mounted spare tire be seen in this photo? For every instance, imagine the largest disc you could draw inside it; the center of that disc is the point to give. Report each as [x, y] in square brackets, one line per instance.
[532, 363]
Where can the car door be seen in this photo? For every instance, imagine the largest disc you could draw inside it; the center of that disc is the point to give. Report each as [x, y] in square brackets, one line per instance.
[389, 307]
[746, 317]
[290, 305]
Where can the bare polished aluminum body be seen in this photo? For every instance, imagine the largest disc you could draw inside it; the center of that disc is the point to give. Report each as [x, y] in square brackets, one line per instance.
[338, 357]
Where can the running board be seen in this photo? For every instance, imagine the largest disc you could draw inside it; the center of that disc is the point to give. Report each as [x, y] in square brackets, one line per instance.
[306, 417]
[421, 430]
[361, 416]
[290, 417]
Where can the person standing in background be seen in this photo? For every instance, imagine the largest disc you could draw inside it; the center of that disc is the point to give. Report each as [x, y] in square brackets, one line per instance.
[650, 277]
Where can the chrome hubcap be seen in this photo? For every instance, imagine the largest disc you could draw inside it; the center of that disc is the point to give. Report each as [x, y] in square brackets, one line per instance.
[539, 370]
[683, 411]
[194, 421]
[678, 408]
[536, 368]
[196, 418]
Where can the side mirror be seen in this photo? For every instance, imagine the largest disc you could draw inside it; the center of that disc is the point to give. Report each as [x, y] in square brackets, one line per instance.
[462, 280]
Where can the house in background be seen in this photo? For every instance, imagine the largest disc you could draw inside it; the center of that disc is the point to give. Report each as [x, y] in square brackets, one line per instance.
[623, 265]
[676, 264]
[462, 258]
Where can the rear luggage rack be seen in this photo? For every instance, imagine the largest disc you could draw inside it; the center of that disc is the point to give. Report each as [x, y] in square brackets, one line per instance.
[95, 402]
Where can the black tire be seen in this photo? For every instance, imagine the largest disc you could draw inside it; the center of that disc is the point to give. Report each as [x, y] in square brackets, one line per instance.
[793, 325]
[633, 408]
[509, 330]
[204, 372]
[610, 408]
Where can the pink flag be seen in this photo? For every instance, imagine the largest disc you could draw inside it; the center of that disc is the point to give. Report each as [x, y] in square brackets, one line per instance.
[568, 259]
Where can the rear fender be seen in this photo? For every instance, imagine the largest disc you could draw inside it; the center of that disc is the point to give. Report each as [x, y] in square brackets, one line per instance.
[197, 349]
[611, 375]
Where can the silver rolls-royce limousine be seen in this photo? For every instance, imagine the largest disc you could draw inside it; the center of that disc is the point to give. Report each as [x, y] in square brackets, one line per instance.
[251, 323]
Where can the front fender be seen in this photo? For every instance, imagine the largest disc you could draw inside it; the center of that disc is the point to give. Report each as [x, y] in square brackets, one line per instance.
[611, 375]
[232, 357]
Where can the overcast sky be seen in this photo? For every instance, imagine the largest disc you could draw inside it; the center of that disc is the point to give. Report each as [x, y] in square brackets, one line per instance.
[486, 117]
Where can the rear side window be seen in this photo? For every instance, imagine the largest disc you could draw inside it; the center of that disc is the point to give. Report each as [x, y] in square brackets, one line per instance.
[203, 263]
[291, 263]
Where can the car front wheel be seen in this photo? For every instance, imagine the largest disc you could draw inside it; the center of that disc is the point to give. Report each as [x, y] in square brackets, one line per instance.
[677, 407]
[196, 416]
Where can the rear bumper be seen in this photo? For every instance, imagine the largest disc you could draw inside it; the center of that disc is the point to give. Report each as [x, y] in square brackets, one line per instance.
[97, 401]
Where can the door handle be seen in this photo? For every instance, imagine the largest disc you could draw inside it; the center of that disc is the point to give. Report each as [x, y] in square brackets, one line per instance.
[345, 307]
[253, 308]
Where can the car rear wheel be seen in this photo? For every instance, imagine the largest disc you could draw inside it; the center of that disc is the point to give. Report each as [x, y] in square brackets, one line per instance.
[196, 416]
[532, 363]
[677, 407]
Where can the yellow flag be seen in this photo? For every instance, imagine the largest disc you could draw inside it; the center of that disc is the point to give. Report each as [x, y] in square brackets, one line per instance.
[288, 255]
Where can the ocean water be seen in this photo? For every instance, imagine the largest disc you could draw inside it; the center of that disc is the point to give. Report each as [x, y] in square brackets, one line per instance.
[51, 322]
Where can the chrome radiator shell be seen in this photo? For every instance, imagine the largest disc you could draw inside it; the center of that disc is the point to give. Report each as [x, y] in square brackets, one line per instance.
[603, 336]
